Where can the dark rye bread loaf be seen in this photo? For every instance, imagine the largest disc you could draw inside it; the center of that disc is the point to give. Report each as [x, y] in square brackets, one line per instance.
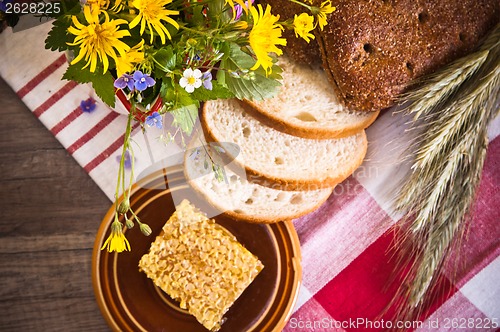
[372, 49]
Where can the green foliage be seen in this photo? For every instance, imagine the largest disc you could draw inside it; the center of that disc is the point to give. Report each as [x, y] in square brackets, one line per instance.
[218, 91]
[181, 104]
[102, 83]
[246, 84]
[165, 59]
[57, 38]
[185, 117]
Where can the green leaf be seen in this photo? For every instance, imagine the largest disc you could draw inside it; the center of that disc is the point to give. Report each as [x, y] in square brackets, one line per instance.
[183, 107]
[104, 88]
[58, 35]
[101, 83]
[244, 83]
[165, 58]
[175, 96]
[218, 91]
[185, 117]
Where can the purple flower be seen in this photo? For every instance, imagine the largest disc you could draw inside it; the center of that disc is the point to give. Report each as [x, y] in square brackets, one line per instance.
[142, 81]
[207, 80]
[154, 120]
[127, 162]
[87, 105]
[123, 81]
[239, 10]
[3, 5]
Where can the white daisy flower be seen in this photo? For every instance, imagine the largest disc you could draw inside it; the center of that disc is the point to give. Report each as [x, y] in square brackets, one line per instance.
[191, 79]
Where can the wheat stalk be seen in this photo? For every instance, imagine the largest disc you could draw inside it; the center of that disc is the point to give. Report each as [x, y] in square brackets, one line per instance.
[452, 108]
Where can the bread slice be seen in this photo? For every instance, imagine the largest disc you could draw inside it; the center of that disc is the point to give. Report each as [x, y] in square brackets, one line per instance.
[271, 156]
[307, 106]
[243, 200]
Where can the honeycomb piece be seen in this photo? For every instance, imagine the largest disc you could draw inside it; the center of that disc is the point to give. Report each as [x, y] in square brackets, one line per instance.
[200, 264]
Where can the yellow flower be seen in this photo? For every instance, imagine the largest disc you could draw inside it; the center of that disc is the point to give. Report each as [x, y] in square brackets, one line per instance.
[118, 6]
[116, 240]
[325, 9]
[265, 36]
[127, 62]
[152, 13]
[241, 25]
[97, 5]
[98, 40]
[303, 25]
[240, 2]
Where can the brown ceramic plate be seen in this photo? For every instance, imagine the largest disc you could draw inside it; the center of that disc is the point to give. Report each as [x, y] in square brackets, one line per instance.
[129, 301]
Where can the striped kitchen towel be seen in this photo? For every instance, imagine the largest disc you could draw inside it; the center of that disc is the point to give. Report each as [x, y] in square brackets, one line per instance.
[346, 243]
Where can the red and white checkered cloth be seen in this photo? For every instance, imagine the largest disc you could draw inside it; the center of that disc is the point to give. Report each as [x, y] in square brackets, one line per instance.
[346, 243]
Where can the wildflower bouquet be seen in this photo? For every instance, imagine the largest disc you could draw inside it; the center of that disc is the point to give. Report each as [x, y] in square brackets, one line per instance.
[171, 55]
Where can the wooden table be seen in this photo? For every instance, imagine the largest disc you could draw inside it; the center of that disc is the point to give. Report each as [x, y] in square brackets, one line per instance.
[50, 212]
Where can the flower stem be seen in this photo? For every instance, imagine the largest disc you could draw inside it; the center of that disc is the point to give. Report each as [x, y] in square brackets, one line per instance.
[301, 4]
[121, 169]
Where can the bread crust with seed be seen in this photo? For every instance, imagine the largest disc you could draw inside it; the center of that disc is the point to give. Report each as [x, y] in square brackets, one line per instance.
[373, 49]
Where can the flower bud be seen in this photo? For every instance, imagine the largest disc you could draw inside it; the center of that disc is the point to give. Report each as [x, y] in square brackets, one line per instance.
[129, 223]
[124, 206]
[242, 25]
[145, 229]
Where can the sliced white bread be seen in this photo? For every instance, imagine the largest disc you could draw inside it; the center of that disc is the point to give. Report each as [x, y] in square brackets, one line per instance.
[306, 106]
[273, 157]
[246, 201]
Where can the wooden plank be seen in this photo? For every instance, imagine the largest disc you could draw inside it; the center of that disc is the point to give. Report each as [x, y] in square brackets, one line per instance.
[50, 210]
[52, 314]
[19, 129]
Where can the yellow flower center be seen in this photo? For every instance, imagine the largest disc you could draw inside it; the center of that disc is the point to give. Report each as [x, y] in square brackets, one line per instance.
[98, 41]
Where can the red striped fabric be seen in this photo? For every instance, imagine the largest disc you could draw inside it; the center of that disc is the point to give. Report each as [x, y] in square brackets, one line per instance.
[92, 132]
[54, 98]
[66, 121]
[41, 76]
[107, 152]
[362, 290]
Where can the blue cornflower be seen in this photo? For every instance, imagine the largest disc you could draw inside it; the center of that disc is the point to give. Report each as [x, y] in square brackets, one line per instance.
[207, 80]
[142, 81]
[123, 81]
[88, 105]
[154, 120]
